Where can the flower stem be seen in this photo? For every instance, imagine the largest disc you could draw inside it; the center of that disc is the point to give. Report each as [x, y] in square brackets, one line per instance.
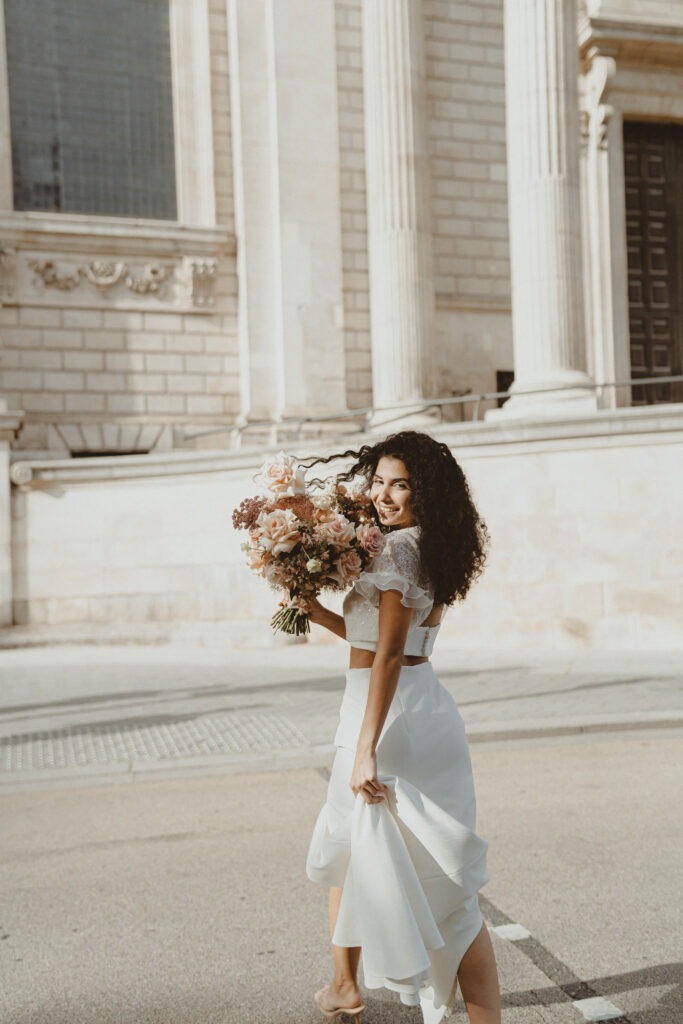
[290, 621]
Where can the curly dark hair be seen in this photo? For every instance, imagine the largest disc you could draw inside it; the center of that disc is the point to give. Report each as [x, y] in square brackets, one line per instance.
[453, 536]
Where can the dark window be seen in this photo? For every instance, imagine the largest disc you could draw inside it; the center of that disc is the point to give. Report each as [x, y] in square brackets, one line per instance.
[91, 106]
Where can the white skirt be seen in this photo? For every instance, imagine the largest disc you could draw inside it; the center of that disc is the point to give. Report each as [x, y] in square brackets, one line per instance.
[410, 866]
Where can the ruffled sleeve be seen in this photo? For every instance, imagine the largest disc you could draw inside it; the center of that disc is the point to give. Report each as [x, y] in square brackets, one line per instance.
[397, 568]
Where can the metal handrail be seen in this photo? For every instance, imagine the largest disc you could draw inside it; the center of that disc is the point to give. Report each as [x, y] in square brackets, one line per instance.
[412, 407]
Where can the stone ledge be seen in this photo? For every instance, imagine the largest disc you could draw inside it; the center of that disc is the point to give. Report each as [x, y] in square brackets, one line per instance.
[656, 43]
[614, 427]
[609, 426]
[86, 233]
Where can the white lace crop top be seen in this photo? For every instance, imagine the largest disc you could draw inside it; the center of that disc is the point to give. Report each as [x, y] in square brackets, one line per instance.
[396, 568]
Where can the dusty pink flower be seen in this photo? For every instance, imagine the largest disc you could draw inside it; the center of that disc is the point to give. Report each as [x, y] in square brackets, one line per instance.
[352, 563]
[371, 538]
[248, 512]
[347, 568]
[279, 530]
[337, 530]
[281, 475]
[275, 573]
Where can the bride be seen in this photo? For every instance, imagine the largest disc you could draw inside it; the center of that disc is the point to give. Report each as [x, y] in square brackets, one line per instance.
[396, 841]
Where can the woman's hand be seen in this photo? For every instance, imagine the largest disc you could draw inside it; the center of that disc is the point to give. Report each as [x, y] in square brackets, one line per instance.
[314, 609]
[364, 778]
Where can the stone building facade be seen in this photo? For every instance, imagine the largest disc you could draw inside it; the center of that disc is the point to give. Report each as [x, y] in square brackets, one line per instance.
[351, 208]
[299, 130]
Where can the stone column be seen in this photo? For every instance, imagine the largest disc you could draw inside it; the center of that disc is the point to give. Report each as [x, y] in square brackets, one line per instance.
[605, 230]
[541, 70]
[398, 195]
[287, 210]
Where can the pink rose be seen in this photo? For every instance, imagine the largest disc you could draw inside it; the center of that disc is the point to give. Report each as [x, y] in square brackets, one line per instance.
[347, 568]
[371, 538]
[279, 530]
[281, 475]
[353, 564]
[337, 530]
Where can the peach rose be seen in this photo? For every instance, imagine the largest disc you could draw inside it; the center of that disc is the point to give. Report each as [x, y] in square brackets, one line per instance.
[279, 530]
[281, 475]
[371, 538]
[337, 530]
[324, 515]
[256, 560]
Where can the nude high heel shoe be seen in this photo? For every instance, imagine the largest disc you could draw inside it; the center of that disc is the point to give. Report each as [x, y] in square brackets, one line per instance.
[353, 1011]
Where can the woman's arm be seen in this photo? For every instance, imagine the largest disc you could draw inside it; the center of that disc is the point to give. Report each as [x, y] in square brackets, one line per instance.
[322, 616]
[394, 621]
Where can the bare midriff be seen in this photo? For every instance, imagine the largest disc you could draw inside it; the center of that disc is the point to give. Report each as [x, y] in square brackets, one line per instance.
[364, 659]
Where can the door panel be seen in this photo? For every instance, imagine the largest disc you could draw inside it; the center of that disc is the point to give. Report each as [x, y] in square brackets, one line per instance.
[653, 160]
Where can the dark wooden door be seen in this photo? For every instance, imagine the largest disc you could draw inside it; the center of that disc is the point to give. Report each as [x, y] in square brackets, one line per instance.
[653, 155]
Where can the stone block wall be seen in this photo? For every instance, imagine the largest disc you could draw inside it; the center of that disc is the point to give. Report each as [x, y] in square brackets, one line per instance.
[353, 204]
[94, 367]
[465, 84]
[160, 547]
[109, 362]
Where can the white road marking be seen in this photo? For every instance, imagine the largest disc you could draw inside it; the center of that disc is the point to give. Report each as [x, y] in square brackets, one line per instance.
[513, 932]
[597, 1009]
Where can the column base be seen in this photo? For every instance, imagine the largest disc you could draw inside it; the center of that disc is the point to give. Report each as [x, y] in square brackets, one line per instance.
[573, 395]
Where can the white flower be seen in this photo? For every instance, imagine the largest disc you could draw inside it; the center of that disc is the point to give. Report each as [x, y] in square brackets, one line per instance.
[313, 565]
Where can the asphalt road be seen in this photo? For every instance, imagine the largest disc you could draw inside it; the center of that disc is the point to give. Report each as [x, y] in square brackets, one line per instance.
[175, 893]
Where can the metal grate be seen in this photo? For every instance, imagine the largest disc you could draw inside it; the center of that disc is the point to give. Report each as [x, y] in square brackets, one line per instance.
[80, 746]
[91, 106]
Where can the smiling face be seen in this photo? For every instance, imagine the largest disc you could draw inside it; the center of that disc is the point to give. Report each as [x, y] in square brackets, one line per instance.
[391, 493]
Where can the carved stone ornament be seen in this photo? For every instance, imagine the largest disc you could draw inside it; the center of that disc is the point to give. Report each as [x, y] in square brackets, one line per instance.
[175, 283]
[150, 281]
[8, 273]
[21, 474]
[47, 271]
[104, 274]
[602, 71]
[203, 279]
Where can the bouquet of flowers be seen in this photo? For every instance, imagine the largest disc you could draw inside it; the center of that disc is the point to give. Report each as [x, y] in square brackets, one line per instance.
[303, 540]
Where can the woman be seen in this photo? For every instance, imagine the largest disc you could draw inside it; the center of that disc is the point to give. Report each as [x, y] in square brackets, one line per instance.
[396, 840]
